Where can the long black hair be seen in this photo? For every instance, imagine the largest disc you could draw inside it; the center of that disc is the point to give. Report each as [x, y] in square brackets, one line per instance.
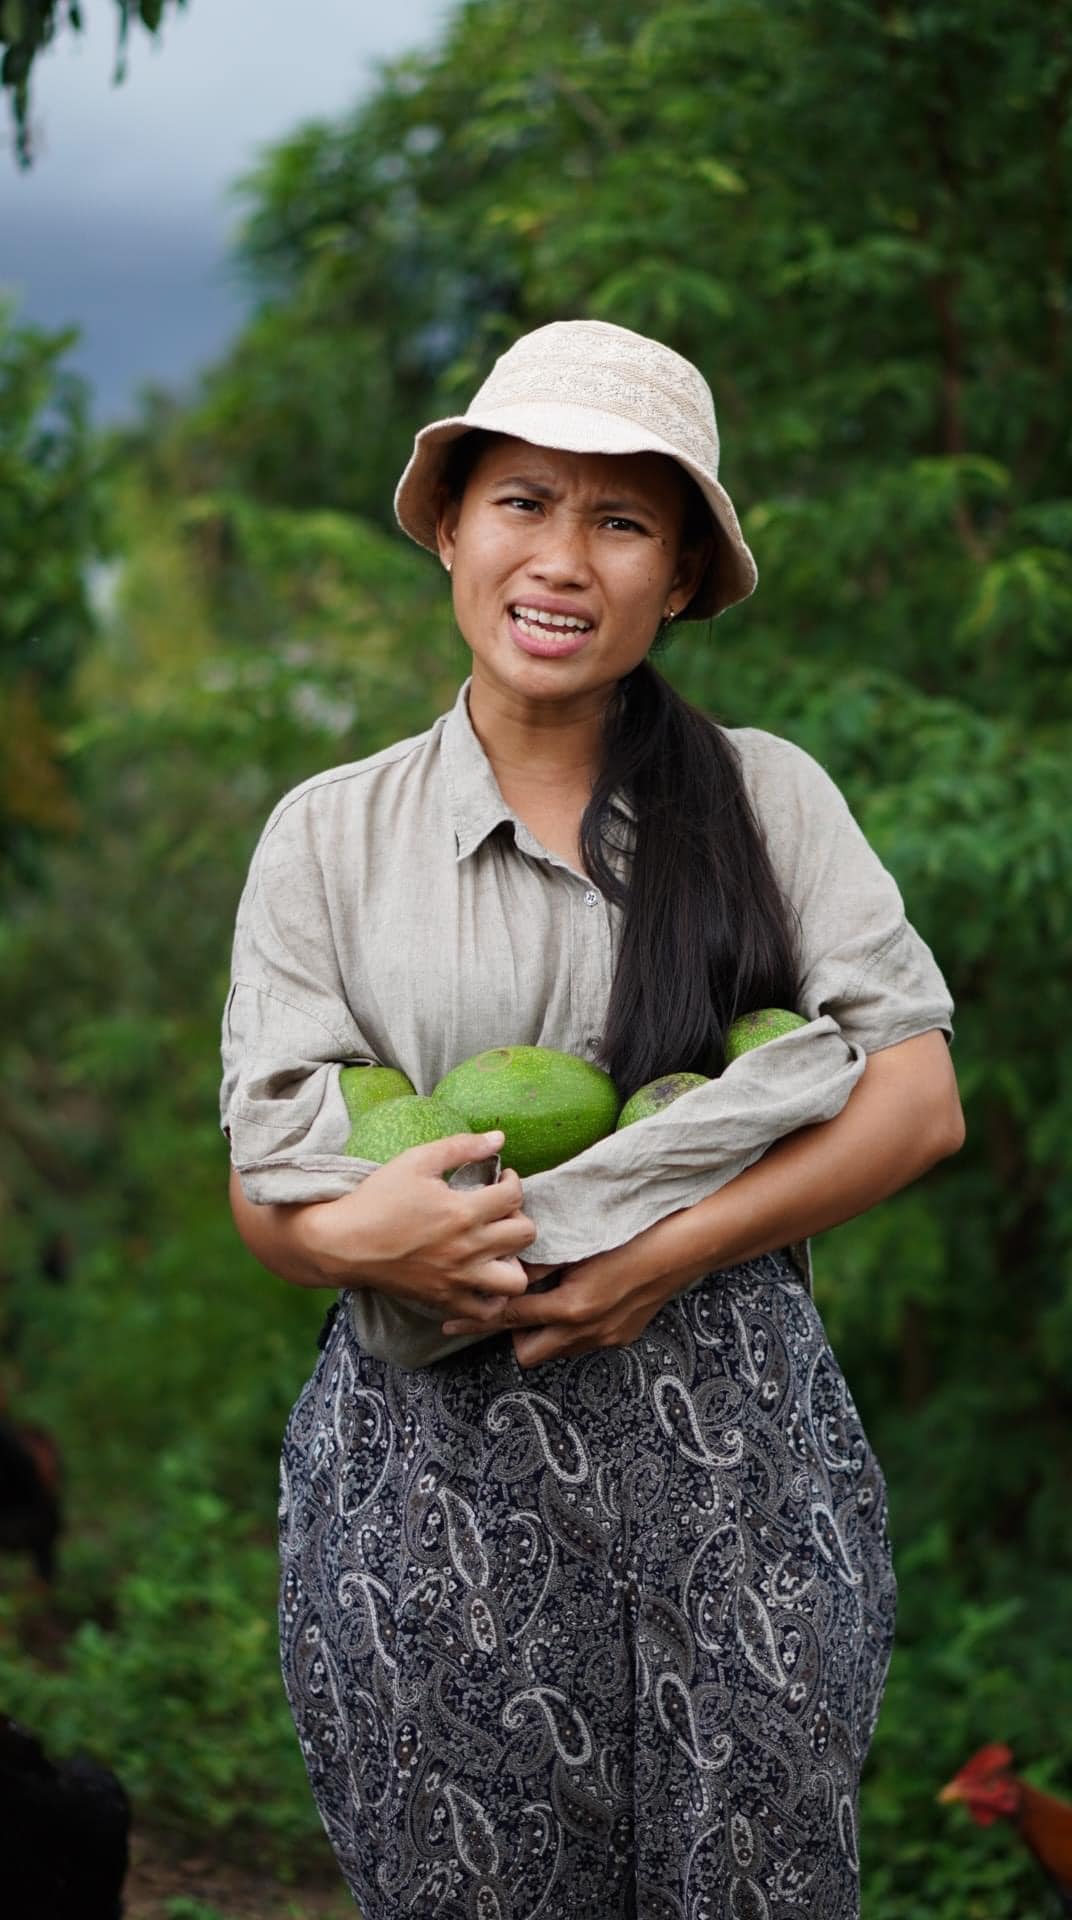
[707, 933]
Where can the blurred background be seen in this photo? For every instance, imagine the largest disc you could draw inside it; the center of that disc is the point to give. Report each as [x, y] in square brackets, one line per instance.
[230, 290]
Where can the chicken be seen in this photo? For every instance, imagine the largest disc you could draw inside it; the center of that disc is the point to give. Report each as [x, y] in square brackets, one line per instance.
[992, 1791]
[29, 1493]
[66, 1833]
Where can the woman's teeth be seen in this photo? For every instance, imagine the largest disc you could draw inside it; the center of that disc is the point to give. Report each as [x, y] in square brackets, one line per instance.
[532, 620]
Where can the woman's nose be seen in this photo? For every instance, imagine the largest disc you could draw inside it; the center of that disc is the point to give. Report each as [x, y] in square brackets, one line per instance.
[562, 558]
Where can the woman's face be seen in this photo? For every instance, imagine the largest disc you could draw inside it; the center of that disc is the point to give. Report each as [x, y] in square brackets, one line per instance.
[564, 564]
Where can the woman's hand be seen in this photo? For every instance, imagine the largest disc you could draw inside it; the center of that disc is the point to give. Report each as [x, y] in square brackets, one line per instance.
[407, 1233]
[603, 1302]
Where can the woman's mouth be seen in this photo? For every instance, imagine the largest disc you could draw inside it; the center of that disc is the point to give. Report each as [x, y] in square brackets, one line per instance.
[548, 635]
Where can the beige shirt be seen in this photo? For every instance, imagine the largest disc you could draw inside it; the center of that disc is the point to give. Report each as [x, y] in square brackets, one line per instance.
[397, 911]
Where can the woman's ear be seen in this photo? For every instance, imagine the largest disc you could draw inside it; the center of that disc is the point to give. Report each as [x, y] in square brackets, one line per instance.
[447, 529]
[691, 566]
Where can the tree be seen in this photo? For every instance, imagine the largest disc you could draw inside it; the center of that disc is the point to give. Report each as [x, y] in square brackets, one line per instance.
[854, 217]
[28, 26]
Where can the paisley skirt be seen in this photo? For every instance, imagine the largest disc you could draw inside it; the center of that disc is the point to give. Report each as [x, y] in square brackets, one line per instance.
[605, 1637]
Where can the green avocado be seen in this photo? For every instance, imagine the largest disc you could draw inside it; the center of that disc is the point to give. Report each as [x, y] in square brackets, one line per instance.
[755, 1029]
[656, 1095]
[550, 1105]
[365, 1087]
[394, 1125]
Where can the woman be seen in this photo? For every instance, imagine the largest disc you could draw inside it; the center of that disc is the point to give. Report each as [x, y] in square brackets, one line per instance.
[587, 1599]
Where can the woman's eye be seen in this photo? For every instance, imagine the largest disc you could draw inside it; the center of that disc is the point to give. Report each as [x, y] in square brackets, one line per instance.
[617, 521]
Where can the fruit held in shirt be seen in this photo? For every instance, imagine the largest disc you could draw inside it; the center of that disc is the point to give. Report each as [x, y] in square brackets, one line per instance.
[755, 1029]
[751, 1030]
[365, 1087]
[656, 1095]
[411, 1121]
[550, 1105]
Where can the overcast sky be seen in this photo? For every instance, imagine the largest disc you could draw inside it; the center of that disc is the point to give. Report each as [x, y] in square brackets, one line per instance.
[121, 225]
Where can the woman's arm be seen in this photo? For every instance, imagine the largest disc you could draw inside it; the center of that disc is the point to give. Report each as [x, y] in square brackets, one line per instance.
[901, 1118]
[279, 1236]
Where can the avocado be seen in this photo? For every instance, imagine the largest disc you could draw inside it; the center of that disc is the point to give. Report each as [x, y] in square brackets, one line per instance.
[755, 1029]
[656, 1095]
[550, 1105]
[365, 1087]
[394, 1125]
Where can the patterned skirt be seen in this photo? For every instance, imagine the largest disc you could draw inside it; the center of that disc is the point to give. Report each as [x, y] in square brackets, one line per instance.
[602, 1638]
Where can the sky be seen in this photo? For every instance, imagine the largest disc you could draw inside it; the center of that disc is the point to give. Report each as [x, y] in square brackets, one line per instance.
[121, 225]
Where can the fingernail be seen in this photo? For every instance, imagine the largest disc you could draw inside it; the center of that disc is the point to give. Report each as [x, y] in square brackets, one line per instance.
[496, 1138]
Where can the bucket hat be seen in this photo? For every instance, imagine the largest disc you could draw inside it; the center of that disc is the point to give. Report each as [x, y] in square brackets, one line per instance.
[588, 386]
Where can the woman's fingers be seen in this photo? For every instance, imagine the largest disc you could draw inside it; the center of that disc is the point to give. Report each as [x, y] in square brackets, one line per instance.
[497, 1201]
[456, 1150]
[537, 1310]
[504, 1236]
[474, 1313]
[451, 1245]
[504, 1276]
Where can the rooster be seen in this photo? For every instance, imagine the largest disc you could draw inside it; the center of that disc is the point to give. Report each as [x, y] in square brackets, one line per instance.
[991, 1791]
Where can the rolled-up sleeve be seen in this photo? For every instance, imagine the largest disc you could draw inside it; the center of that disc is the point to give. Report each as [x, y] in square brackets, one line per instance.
[287, 1026]
[862, 960]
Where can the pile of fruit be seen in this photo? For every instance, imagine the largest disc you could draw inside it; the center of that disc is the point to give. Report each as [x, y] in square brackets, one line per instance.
[549, 1105]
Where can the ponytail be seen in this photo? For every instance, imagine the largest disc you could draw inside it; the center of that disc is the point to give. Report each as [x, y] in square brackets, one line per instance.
[706, 931]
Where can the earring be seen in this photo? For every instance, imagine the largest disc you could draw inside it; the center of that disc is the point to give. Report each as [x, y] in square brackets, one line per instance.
[670, 614]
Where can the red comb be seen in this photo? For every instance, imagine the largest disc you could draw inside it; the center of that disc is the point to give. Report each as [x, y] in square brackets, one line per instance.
[988, 1760]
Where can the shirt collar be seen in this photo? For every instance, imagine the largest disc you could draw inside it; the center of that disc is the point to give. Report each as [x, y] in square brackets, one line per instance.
[476, 804]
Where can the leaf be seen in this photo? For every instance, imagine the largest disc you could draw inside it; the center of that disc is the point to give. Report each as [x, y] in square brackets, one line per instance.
[724, 179]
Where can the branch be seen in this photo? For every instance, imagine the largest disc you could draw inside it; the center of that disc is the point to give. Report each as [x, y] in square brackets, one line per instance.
[29, 27]
[592, 115]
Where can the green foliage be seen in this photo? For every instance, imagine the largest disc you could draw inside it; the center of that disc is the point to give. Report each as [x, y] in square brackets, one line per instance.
[180, 1691]
[854, 219]
[244, 648]
[27, 27]
[808, 177]
[962, 1668]
[51, 527]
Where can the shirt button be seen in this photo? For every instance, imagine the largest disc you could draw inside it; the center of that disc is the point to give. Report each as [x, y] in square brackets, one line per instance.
[591, 898]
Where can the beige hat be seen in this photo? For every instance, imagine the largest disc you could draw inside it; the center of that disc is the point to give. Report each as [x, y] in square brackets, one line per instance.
[590, 387]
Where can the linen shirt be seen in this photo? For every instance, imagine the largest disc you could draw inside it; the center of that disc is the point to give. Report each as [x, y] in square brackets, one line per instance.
[397, 912]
